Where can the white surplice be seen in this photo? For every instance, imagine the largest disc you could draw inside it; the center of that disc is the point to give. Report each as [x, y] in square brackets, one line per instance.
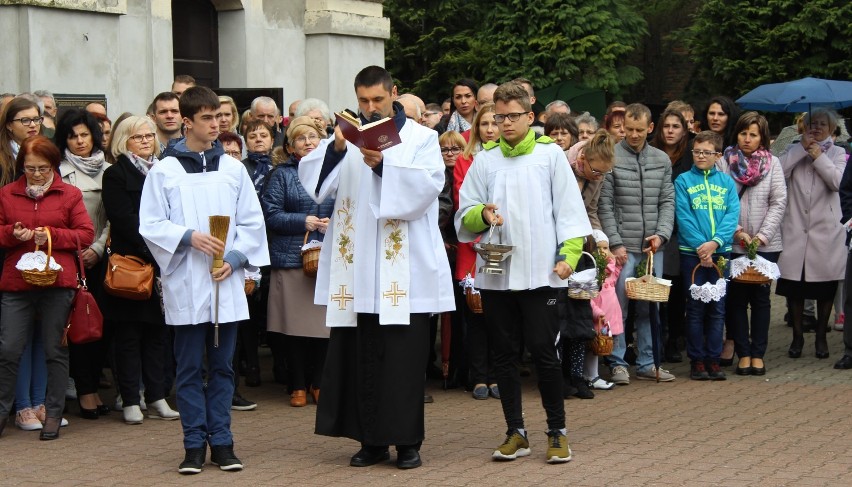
[412, 178]
[541, 205]
[174, 201]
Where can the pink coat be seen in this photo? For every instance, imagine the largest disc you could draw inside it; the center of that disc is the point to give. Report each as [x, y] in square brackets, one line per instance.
[813, 237]
[606, 304]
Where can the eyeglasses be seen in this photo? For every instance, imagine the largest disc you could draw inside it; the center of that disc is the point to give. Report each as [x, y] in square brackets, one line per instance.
[594, 171]
[705, 153]
[140, 137]
[40, 170]
[234, 153]
[29, 121]
[513, 117]
[451, 150]
[313, 138]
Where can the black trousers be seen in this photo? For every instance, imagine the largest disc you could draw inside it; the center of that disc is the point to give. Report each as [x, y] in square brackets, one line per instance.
[139, 353]
[530, 314]
[305, 361]
[88, 360]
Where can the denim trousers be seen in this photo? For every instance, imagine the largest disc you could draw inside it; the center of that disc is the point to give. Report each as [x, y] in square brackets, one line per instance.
[32, 374]
[644, 343]
[17, 321]
[205, 412]
[705, 322]
[750, 336]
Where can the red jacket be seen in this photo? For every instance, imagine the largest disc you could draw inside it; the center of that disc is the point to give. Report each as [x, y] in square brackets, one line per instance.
[465, 256]
[62, 210]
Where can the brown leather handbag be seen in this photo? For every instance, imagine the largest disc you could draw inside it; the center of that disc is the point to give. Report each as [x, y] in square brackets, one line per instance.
[128, 276]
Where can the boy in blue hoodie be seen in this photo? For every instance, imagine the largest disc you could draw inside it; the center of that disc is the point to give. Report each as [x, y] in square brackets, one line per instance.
[707, 209]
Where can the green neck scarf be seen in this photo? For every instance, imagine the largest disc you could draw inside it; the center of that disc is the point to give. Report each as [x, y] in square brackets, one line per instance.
[523, 148]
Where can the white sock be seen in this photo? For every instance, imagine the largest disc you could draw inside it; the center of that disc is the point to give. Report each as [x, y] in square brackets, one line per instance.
[590, 366]
[523, 432]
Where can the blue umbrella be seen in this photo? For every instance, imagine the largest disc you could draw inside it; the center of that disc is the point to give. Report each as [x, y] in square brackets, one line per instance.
[798, 96]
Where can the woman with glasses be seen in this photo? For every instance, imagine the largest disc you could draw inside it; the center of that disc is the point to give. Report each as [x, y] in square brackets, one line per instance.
[562, 129]
[586, 126]
[21, 120]
[591, 160]
[479, 355]
[814, 253]
[291, 214]
[762, 191]
[672, 137]
[228, 118]
[140, 327]
[61, 210]
[79, 138]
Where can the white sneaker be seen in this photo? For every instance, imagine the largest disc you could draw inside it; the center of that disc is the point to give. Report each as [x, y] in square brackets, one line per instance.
[27, 420]
[600, 384]
[133, 415]
[161, 410]
[620, 375]
[63, 423]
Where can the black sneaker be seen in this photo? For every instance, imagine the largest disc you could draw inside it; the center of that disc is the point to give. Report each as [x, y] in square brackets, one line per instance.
[583, 390]
[224, 457]
[716, 372]
[699, 372]
[193, 461]
[238, 403]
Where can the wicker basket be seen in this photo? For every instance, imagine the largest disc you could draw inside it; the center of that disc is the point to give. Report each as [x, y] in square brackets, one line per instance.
[310, 259]
[641, 290]
[601, 345]
[474, 300]
[751, 276]
[44, 277]
[579, 293]
[249, 287]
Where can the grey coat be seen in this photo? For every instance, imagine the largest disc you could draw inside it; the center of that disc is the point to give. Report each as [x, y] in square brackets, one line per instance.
[813, 237]
[762, 206]
[637, 198]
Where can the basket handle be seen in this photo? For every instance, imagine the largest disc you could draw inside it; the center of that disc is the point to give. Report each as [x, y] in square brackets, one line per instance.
[49, 249]
[699, 265]
[305, 241]
[649, 264]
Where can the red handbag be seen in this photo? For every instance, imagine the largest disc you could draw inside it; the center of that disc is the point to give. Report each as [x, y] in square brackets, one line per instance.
[85, 321]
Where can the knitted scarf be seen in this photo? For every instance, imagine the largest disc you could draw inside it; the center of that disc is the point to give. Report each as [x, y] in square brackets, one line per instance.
[748, 171]
[263, 164]
[36, 191]
[91, 165]
[457, 123]
[144, 165]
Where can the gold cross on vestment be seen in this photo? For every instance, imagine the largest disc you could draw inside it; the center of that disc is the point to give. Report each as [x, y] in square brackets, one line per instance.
[341, 297]
[395, 294]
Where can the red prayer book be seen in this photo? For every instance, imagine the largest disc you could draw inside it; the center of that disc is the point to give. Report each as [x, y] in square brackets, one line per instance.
[374, 136]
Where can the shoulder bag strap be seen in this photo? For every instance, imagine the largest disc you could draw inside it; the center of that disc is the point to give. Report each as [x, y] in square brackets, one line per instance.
[82, 268]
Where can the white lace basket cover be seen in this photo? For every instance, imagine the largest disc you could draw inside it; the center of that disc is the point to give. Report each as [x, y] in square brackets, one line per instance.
[467, 283]
[761, 265]
[709, 291]
[34, 261]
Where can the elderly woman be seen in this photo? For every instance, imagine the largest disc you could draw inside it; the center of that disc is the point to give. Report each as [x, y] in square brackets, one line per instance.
[318, 111]
[258, 161]
[79, 137]
[814, 255]
[21, 120]
[672, 137]
[760, 184]
[140, 326]
[586, 126]
[61, 211]
[290, 215]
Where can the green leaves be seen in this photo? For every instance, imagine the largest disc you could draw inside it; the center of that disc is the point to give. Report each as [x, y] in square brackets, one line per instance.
[435, 42]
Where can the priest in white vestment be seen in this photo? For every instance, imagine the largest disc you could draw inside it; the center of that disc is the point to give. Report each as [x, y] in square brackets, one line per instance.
[383, 270]
[523, 186]
[181, 192]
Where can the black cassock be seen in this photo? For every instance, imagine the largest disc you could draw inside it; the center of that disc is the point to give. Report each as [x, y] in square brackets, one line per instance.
[372, 384]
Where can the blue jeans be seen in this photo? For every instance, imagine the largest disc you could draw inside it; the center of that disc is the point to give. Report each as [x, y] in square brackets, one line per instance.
[705, 322]
[205, 412]
[32, 374]
[644, 344]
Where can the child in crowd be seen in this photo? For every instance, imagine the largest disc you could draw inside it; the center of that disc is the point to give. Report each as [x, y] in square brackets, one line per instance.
[606, 305]
[707, 209]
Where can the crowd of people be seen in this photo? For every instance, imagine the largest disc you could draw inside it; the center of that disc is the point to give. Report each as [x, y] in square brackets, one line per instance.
[399, 232]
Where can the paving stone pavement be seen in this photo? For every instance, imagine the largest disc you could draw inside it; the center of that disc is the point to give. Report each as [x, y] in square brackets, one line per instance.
[790, 427]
